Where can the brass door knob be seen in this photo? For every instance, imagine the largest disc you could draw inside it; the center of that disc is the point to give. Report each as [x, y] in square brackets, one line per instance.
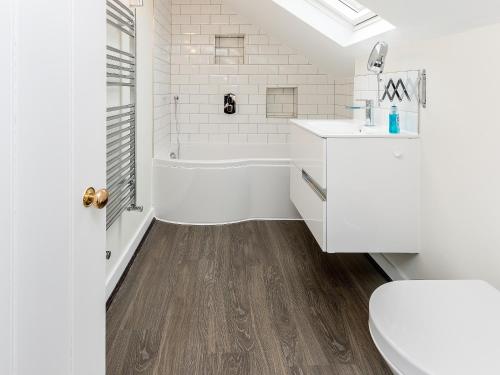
[98, 198]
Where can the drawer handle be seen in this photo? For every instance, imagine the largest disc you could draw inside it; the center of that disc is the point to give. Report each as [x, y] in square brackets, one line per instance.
[320, 192]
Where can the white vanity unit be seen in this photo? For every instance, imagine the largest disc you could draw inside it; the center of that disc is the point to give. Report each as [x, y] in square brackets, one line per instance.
[356, 187]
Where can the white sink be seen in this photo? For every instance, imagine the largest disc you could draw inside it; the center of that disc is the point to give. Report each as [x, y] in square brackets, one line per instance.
[349, 128]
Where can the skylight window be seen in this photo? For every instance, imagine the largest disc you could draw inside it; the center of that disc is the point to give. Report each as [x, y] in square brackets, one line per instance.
[350, 10]
[344, 21]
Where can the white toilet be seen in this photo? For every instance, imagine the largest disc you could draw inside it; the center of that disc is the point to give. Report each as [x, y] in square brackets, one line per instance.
[437, 327]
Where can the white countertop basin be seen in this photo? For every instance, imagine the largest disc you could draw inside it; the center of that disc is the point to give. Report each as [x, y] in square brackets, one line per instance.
[348, 129]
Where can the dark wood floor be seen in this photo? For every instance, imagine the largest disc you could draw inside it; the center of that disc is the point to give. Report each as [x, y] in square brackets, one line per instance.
[251, 298]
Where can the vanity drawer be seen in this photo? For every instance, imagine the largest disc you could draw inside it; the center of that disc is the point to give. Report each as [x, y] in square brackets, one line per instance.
[308, 152]
[310, 201]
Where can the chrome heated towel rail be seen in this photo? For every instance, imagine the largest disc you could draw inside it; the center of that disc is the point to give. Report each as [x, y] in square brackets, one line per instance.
[121, 160]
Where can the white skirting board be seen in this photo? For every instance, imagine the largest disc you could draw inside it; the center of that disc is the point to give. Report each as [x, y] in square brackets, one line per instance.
[389, 268]
[121, 265]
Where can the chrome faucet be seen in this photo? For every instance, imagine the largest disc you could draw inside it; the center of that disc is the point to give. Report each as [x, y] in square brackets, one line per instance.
[368, 111]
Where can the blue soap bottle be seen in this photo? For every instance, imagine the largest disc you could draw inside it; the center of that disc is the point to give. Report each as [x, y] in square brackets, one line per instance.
[394, 120]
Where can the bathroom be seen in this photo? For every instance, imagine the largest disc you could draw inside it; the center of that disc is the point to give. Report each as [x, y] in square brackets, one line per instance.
[269, 187]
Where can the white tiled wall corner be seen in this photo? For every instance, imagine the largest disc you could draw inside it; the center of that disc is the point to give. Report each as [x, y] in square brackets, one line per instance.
[162, 75]
[201, 83]
[365, 87]
[344, 92]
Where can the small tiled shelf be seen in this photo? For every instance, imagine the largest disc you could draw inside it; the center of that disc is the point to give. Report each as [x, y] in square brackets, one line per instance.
[281, 102]
[229, 49]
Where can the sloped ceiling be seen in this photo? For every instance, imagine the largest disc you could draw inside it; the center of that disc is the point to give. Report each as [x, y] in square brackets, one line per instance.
[414, 20]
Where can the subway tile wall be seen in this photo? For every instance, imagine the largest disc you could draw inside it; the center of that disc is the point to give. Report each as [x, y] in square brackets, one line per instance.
[344, 92]
[161, 72]
[365, 87]
[201, 82]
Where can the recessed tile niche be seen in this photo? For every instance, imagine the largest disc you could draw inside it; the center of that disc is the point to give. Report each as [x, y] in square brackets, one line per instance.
[229, 49]
[281, 102]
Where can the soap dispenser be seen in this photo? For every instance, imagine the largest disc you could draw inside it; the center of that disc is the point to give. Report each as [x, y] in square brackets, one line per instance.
[394, 120]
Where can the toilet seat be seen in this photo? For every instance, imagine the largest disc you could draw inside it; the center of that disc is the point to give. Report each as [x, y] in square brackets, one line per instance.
[437, 327]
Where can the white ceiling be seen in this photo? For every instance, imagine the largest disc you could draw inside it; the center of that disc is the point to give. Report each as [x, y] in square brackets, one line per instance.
[414, 20]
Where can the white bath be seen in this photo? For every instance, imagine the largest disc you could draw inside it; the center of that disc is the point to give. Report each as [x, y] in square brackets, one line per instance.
[216, 184]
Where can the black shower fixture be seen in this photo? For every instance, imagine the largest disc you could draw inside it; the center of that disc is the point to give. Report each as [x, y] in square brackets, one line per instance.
[229, 104]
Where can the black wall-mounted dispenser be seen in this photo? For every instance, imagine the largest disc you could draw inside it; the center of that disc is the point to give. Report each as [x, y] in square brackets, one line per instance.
[229, 104]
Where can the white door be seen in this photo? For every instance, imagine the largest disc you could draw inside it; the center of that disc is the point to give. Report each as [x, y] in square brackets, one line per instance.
[52, 147]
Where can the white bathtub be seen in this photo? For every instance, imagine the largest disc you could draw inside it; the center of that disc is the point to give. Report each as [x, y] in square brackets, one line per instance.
[216, 184]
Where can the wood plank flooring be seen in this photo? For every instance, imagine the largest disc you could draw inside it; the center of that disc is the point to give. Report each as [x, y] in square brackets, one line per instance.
[251, 298]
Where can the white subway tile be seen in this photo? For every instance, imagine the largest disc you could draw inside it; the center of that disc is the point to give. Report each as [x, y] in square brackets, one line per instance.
[237, 20]
[249, 109]
[198, 138]
[210, 108]
[220, 19]
[200, 19]
[247, 128]
[258, 59]
[189, 69]
[181, 19]
[249, 29]
[308, 109]
[248, 69]
[288, 69]
[190, 29]
[208, 89]
[210, 69]
[218, 138]
[231, 128]
[277, 138]
[211, 9]
[297, 59]
[189, 108]
[199, 99]
[278, 59]
[225, 9]
[180, 39]
[229, 29]
[258, 39]
[200, 39]
[190, 9]
[268, 69]
[257, 138]
[257, 79]
[238, 138]
[176, 9]
[189, 128]
[276, 79]
[189, 89]
[209, 128]
[257, 99]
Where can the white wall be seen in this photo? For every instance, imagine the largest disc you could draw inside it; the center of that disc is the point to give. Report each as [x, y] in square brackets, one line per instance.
[125, 234]
[460, 156]
[6, 189]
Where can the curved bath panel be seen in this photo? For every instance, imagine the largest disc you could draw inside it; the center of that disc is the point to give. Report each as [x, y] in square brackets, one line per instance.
[222, 191]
